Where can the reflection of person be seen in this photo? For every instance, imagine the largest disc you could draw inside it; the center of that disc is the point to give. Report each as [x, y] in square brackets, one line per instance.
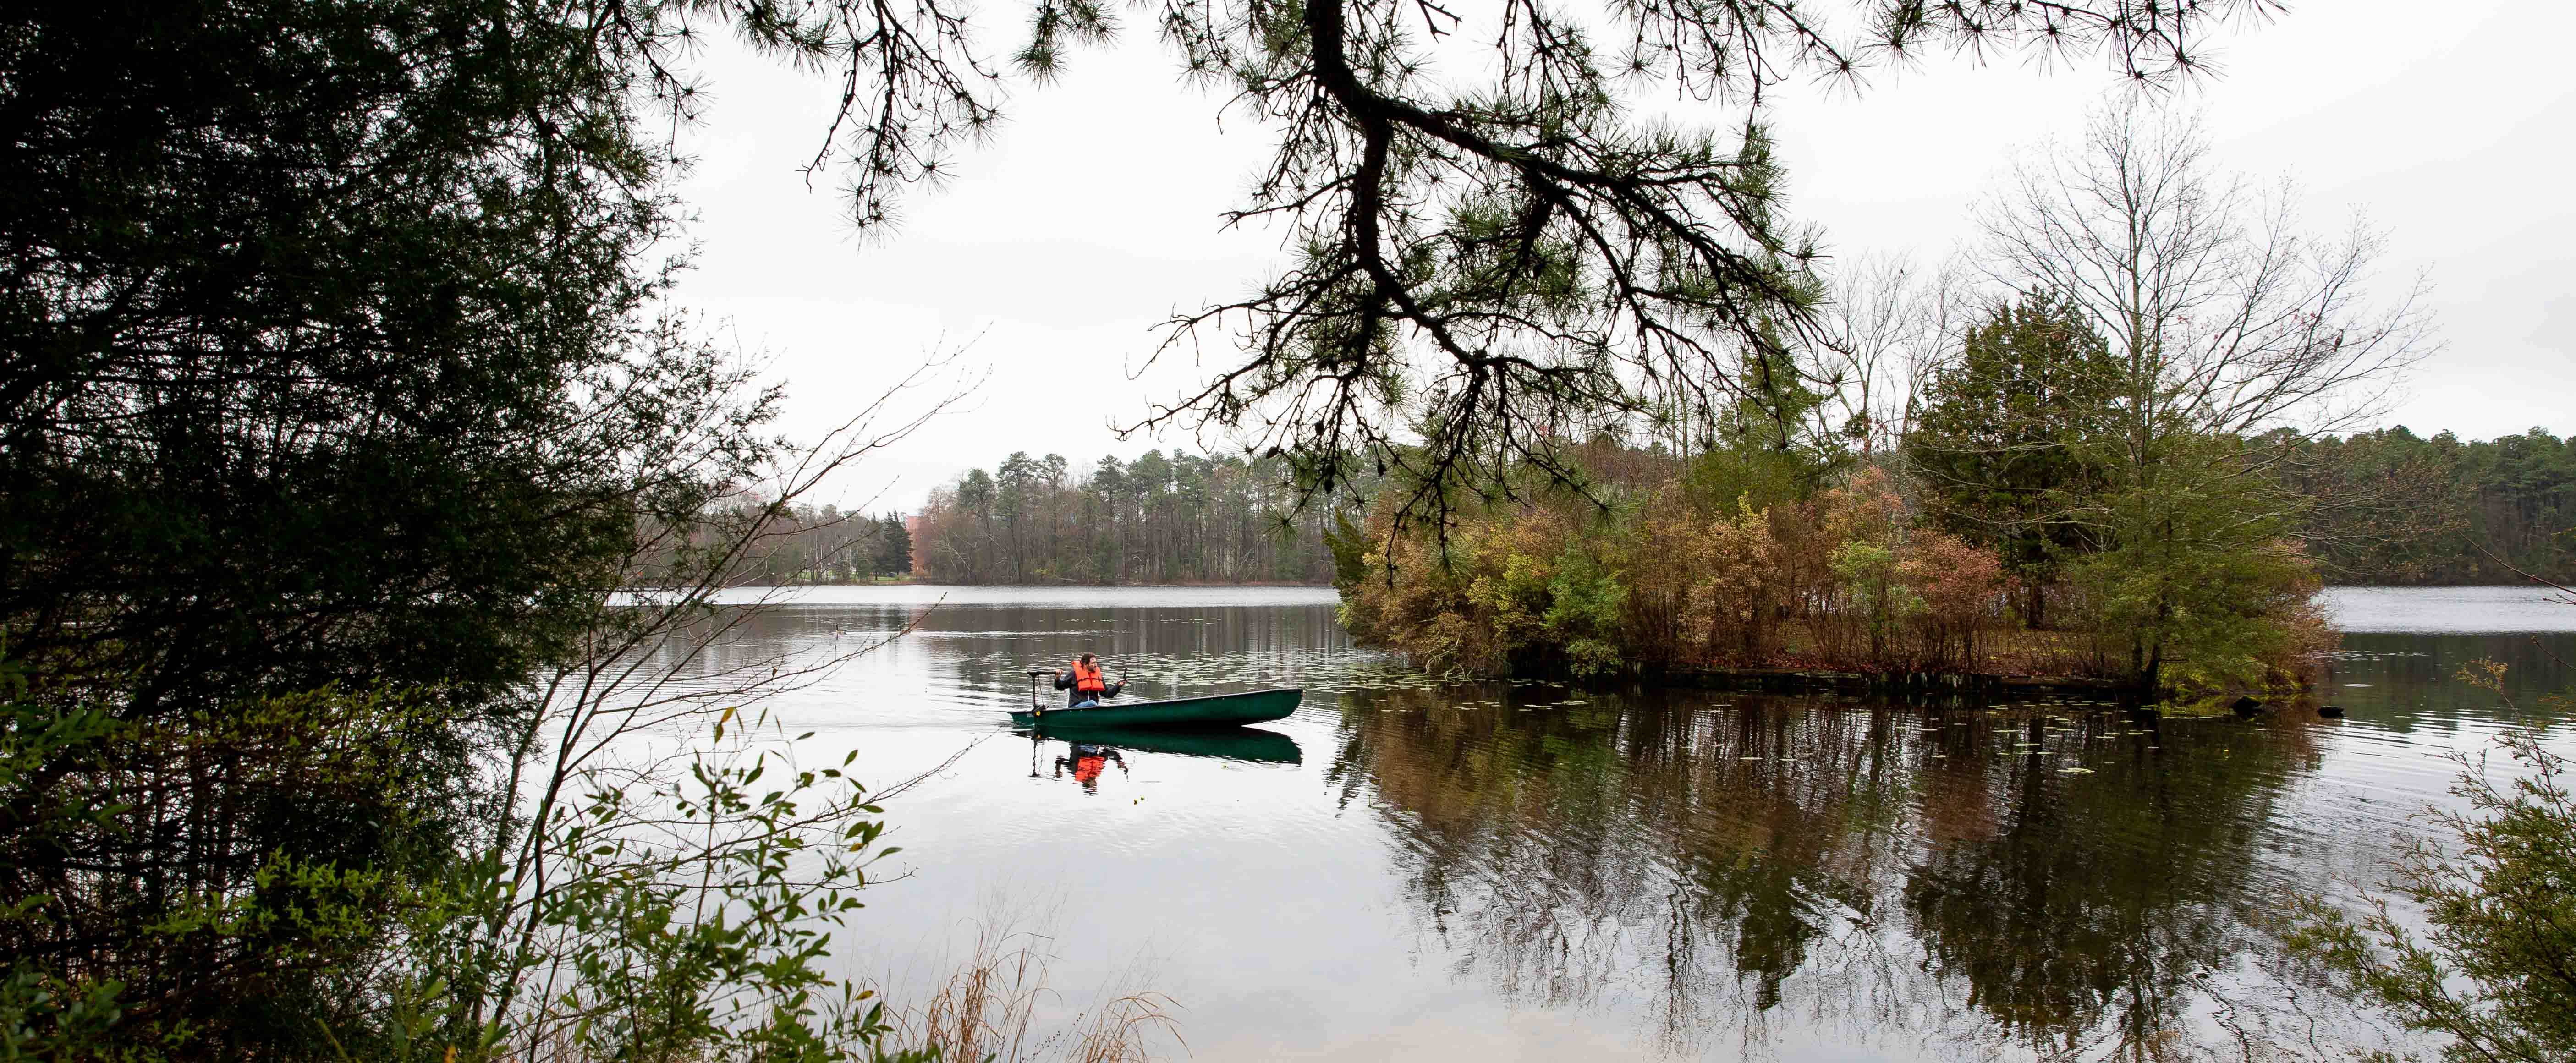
[1082, 683]
[1087, 762]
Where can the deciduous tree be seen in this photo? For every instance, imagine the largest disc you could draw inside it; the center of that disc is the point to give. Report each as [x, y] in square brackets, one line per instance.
[2232, 334]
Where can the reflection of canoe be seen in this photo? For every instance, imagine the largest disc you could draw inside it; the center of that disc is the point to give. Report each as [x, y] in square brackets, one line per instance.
[1231, 743]
[1256, 706]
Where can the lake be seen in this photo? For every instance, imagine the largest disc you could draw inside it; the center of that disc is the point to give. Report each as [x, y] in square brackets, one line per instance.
[1509, 871]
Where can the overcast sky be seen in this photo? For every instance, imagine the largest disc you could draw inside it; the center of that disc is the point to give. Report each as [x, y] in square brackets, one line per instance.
[1093, 215]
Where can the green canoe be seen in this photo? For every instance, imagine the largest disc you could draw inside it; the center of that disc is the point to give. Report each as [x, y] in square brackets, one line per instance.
[1215, 710]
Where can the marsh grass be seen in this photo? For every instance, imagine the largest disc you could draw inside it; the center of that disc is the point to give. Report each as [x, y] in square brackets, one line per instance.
[990, 1006]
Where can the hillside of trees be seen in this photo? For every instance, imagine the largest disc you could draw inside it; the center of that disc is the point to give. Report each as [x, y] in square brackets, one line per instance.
[2458, 513]
[1176, 518]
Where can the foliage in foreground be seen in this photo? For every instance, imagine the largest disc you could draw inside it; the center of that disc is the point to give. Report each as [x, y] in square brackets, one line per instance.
[339, 402]
[2492, 966]
[680, 914]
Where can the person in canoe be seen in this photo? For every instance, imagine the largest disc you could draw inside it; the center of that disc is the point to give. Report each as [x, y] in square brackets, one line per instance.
[1083, 685]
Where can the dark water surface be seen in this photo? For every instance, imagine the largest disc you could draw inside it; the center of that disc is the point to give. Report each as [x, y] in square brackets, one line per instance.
[1494, 871]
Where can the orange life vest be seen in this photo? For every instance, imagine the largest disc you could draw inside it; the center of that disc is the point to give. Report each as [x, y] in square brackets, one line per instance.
[1086, 678]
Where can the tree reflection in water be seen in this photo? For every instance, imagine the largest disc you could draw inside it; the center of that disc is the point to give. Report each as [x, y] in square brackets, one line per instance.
[1930, 881]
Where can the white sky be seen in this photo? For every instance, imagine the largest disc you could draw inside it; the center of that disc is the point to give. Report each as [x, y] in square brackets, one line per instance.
[1093, 215]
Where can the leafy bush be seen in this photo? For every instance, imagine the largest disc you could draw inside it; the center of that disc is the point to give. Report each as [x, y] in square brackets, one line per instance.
[209, 880]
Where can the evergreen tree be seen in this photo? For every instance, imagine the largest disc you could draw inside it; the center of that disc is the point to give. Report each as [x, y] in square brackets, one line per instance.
[1764, 447]
[893, 554]
[2007, 441]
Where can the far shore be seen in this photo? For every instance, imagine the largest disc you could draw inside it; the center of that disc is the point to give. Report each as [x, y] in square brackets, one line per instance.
[908, 582]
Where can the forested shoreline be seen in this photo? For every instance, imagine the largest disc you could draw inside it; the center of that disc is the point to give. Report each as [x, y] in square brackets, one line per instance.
[1159, 519]
[2449, 512]
[809, 544]
[2442, 512]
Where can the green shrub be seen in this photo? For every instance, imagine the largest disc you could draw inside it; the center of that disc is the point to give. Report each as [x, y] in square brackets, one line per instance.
[2494, 966]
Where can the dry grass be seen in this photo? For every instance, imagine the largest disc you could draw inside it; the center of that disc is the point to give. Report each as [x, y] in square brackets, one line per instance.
[986, 1010]
[1124, 1030]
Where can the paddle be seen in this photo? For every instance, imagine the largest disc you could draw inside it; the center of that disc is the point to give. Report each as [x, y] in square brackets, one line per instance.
[1035, 706]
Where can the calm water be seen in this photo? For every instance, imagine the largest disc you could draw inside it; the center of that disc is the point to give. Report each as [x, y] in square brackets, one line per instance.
[1518, 871]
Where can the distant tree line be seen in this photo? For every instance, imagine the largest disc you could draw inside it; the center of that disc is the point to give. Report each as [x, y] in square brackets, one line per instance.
[2457, 513]
[826, 545]
[797, 544]
[1177, 518]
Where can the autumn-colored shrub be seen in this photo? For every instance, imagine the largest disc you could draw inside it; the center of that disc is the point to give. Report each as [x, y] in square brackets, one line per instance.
[1734, 601]
[1959, 589]
[1846, 580]
[1660, 558]
[1844, 569]
[1806, 558]
[1517, 591]
[1865, 510]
